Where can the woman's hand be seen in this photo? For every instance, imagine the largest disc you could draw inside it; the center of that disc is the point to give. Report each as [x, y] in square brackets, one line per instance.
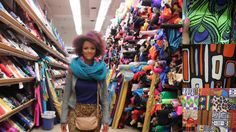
[63, 127]
[105, 127]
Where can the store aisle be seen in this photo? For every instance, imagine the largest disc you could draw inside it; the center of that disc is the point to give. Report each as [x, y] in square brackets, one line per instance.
[56, 128]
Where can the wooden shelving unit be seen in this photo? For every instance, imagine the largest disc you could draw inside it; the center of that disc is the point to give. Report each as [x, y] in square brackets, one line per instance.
[7, 50]
[31, 128]
[24, 4]
[16, 110]
[10, 81]
[7, 19]
[57, 65]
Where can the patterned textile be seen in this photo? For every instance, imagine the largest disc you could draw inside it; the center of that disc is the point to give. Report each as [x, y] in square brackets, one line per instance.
[210, 21]
[190, 91]
[204, 102]
[220, 119]
[82, 110]
[232, 119]
[220, 104]
[232, 92]
[209, 66]
[204, 117]
[191, 102]
[190, 115]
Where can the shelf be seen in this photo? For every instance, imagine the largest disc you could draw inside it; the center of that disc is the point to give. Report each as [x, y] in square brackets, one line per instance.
[59, 76]
[57, 65]
[7, 50]
[16, 110]
[10, 81]
[7, 19]
[31, 128]
[38, 21]
[171, 25]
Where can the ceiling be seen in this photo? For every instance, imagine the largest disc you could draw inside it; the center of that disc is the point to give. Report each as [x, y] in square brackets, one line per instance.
[60, 13]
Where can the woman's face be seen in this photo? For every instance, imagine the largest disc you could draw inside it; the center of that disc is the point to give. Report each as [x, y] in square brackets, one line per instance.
[89, 50]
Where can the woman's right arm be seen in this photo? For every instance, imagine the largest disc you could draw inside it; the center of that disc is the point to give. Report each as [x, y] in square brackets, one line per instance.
[66, 96]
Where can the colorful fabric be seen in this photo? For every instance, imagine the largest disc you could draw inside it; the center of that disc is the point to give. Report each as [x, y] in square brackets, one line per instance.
[210, 21]
[209, 66]
[232, 92]
[233, 119]
[82, 70]
[190, 116]
[190, 91]
[191, 102]
[232, 103]
[204, 102]
[174, 38]
[220, 119]
[220, 104]
[204, 117]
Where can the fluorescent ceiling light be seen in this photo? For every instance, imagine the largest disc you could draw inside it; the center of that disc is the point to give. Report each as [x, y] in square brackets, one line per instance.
[104, 6]
[75, 8]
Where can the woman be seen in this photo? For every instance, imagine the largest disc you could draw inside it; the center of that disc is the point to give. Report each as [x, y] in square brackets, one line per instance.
[86, 73]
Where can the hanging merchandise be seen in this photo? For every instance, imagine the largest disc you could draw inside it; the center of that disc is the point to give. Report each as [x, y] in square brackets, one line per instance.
[48, 90]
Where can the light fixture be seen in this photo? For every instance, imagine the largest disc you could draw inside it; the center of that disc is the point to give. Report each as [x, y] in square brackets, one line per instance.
[76, 11]
[104, 6]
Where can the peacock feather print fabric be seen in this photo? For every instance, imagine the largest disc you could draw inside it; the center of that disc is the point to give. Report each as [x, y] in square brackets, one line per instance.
[210, 21]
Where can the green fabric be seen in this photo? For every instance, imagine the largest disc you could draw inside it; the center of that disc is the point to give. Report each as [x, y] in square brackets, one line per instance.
[210, 21]
[97, 71]
[166, 101]
[168, 95]
[160, 128]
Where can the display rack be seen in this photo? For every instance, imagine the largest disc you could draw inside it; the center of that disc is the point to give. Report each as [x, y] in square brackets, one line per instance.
[58, 54]
[7, 50]
[10, 81]
[34, 16]
[57, 65]
[16, 110]
[8, 20]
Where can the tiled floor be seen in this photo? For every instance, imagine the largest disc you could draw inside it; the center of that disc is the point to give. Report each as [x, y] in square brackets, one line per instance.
[57, 128]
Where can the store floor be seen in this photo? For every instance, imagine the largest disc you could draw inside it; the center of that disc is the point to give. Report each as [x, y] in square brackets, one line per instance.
[56, 128]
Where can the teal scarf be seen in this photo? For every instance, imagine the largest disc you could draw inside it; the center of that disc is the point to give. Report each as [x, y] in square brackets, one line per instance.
[82, 70]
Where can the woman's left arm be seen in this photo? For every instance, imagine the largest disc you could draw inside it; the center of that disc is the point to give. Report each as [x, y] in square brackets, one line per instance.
[104, 103]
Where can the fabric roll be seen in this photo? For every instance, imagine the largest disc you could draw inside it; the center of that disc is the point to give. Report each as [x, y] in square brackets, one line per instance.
[22, 67]
[5, 70]
[4, 105]
[168, 95]
[167, 101]
[174, 38]
[175, 103]
[160, 128]
[9, 103]
[179, 110]
[2, 111]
